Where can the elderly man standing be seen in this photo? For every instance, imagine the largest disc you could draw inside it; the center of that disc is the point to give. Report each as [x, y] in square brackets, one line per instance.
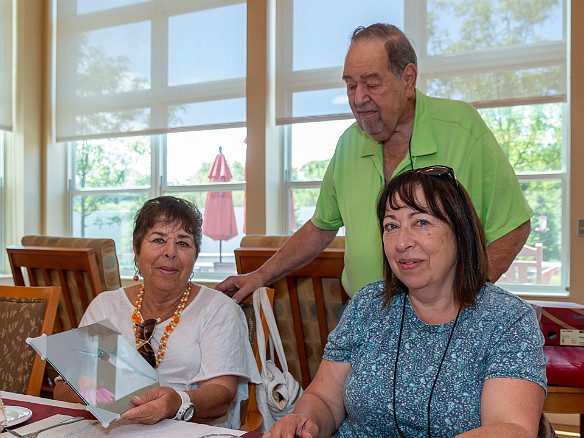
[397, 129]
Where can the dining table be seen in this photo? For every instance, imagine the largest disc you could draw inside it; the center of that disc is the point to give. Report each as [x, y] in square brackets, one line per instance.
[44, 412]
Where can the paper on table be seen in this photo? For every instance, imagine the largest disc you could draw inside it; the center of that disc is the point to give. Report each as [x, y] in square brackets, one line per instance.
[103, 368]
[58, 432]
[165, 428]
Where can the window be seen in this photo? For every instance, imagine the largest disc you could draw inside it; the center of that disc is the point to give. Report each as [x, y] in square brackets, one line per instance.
[6, 65]
[5, 108]
[508, 59]
[148, 117]
[3, 260]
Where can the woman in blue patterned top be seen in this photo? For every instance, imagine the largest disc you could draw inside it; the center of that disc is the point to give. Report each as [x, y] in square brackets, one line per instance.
[435, 349]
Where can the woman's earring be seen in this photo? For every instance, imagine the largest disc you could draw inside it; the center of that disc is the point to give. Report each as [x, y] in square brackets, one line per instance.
[136, 273]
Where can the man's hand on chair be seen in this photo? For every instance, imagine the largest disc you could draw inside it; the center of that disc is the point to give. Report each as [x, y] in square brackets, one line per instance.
[239, 287]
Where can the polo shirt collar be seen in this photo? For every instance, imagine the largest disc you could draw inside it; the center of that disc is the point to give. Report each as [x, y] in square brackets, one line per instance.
[371, 149]
[423, 140]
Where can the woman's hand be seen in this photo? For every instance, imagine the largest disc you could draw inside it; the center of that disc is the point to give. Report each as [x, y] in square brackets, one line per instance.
[212, 399]
[154, 405]
[294, 425]
[320, 410]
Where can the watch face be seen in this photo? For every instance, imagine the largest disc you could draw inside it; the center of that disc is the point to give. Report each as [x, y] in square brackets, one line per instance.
[189, 412]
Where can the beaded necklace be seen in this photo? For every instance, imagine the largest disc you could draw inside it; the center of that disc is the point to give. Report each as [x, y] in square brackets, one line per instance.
[174, 320]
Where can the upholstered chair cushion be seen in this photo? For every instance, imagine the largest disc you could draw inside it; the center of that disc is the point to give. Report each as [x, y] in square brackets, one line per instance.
[21, 318]
[105, 252]
[306, 301]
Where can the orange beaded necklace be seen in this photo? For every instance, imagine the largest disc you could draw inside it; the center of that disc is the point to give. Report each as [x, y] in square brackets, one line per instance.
[174, 320]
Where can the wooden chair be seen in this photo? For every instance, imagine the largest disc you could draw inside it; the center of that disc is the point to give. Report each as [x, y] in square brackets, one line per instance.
[105, 254]
[565, 400]
[251, 418]
[307, 302]
[528, 267]
[74, 270]
[26, 312]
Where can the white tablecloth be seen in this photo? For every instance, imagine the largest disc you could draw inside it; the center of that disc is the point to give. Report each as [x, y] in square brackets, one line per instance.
[92, 428]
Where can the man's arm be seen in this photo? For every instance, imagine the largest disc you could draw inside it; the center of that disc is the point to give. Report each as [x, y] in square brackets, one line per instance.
[301, 248]
[502, 251]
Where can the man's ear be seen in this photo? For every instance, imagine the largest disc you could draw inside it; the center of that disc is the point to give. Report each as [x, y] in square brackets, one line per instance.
[410, 76]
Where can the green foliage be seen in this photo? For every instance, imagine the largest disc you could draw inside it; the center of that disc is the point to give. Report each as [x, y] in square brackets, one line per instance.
[202, 175]
[486, 24]
[304, 198]
[237, 170]
[314, 170]
[531, 136]
[545, 198]
[106, 163]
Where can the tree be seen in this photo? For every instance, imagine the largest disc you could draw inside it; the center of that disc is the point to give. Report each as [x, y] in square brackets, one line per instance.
[100, 165]
[105, 163]
[531, 136]
[310, 171]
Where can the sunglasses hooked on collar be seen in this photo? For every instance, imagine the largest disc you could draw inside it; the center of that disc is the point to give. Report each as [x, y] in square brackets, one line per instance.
[145, 332]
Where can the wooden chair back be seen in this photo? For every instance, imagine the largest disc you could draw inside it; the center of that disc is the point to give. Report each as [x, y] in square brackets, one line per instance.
[307, 305]
[26, 312]
[105, 254]
[73, 269]
[251, 418]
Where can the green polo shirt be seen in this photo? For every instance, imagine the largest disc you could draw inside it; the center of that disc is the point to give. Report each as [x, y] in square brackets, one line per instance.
[446, 132]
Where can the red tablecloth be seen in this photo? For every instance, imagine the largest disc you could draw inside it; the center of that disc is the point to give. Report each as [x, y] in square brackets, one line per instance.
[41, 411]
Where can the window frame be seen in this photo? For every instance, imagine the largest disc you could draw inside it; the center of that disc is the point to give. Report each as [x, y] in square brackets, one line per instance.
[431, 67]
[158, 187]
[157, 13]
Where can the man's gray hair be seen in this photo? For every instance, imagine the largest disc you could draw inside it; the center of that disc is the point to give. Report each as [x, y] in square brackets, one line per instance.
[400, 51]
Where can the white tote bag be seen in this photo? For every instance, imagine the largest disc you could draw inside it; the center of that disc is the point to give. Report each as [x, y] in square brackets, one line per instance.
[279, 391]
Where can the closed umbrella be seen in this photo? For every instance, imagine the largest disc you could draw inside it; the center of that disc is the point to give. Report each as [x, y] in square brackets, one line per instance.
[219, 217]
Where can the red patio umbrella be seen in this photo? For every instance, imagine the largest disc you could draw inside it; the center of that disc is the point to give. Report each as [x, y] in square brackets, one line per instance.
[219, 217]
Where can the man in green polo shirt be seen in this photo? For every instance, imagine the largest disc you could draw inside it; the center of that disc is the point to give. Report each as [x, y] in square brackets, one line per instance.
[397, 129]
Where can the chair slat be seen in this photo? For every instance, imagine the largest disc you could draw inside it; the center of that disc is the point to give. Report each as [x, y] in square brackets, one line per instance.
[329, 264]
[55, 266]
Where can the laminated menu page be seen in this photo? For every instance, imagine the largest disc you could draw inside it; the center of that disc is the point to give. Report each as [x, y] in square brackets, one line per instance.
[101, 366]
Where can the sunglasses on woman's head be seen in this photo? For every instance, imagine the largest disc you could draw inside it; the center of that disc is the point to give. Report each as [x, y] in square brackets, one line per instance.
[144, 332]
[439, 171]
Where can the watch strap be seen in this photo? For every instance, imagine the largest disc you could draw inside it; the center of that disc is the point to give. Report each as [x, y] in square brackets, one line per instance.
[185, 405]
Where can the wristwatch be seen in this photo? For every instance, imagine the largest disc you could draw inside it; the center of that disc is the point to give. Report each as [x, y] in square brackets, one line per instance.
[187, 410]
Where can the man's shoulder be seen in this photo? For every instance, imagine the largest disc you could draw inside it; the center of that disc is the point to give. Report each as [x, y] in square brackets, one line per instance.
[447, 114]
[439, 104]
[352, 133]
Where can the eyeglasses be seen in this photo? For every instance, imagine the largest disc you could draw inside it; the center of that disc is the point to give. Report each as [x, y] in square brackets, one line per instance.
[144, 332]
[439, 171]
